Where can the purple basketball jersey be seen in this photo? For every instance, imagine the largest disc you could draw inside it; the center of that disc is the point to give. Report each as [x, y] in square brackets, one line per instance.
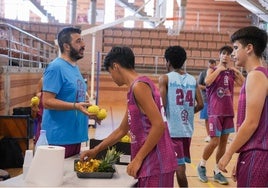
[162, 158]
[259, 140]
[220, 95]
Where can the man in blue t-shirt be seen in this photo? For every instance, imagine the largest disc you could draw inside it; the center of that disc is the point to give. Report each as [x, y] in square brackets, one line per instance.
[65, 117]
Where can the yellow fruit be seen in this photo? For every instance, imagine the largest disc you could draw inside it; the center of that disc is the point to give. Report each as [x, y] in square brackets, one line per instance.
[102, 114]
[93, 109]
[87, 166]
[35, 101]
[125, 138]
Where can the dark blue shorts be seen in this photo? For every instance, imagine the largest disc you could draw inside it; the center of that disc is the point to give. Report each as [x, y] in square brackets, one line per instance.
[204, 112]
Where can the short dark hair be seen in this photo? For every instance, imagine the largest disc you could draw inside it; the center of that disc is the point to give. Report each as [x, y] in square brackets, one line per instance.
[226, 48]
[176, 56]
[122, 55]
[211, 61]
[64, 36]
[251, 35]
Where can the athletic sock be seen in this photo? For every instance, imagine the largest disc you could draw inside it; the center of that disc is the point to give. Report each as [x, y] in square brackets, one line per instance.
[203, 163]
[216, 169]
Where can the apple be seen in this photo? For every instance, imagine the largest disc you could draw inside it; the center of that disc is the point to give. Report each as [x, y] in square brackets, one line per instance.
[102, 114]
[35, 101]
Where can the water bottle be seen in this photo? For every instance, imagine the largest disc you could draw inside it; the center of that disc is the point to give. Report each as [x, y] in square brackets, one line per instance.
[42, 140]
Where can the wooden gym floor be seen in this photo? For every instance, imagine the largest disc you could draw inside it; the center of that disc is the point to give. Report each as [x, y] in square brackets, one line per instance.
[115, 114]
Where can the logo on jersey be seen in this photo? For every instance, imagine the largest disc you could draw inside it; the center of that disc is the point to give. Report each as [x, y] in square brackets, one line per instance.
[221, 92]
[210, 127]
[226, 80]
[185, 116]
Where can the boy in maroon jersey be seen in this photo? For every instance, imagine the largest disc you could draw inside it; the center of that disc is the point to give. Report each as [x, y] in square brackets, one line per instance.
[251, 140]
[153, 160]
[219, 86]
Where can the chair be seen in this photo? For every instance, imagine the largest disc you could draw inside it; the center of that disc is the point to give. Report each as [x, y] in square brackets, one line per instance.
[17, 127]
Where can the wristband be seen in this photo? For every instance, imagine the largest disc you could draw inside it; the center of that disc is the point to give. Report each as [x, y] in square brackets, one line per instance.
[74, 106]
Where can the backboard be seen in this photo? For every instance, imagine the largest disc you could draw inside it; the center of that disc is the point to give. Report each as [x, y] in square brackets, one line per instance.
[160, 9]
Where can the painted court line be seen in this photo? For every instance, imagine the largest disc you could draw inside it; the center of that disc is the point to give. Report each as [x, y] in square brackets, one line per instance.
[208, 184]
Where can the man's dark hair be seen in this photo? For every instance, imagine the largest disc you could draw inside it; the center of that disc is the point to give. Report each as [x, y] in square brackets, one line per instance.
[251, 35]
[226, 48]
[122, 55]
[176, 56]
[64, 36]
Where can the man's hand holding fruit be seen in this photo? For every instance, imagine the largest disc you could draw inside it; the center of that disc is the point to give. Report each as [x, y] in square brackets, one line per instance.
[98, 113]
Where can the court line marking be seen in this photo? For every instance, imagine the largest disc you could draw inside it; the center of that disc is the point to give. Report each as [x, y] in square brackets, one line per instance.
[209, 184]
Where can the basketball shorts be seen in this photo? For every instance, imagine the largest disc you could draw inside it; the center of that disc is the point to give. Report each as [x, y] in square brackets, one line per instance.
[252, 169]
[71, 149]
[219, 125]
[160, 180]
[182, 150]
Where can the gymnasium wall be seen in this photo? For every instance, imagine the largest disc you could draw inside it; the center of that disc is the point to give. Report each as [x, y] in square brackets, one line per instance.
[200, 37]
[16, 89]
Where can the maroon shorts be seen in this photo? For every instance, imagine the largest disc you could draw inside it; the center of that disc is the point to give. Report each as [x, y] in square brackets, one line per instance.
[182, 150]
[160, 180]
[71, 149]
[252, 169]
[219, 125]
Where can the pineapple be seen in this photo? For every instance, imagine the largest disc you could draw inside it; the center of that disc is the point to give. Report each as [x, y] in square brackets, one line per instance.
[106, 164]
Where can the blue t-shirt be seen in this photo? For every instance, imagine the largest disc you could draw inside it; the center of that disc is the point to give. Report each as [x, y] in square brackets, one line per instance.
[66, 82]
[180, 104]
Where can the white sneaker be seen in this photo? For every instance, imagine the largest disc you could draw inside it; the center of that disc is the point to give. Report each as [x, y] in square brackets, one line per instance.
[207, 139]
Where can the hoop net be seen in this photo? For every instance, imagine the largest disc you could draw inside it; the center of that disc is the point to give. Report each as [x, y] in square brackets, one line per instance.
[174, 30]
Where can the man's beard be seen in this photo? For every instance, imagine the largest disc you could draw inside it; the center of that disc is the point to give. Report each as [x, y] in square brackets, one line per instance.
[75, 55]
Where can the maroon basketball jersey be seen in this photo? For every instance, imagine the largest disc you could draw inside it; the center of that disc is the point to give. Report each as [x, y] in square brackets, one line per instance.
[220, 94]
[259, 140]
[162, 158]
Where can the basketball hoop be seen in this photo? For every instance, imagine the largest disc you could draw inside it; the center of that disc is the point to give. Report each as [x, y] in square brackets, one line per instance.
[174, 30]
[172, 19]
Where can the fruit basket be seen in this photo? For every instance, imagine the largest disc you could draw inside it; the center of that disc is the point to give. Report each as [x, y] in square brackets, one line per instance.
[95, 168]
